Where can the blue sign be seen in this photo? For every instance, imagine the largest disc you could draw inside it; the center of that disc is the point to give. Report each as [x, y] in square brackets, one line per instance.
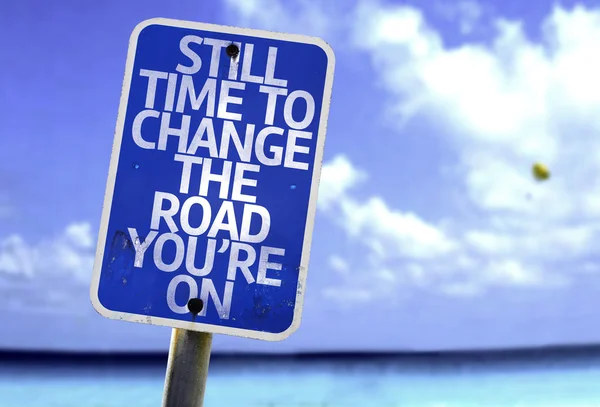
[213, 180]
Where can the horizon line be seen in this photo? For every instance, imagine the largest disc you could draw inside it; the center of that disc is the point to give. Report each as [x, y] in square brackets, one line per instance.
[515, 354]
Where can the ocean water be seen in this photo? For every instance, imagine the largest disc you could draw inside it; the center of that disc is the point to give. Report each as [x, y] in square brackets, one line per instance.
[308, 385]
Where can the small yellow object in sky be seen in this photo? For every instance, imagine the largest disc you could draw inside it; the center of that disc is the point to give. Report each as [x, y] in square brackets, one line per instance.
[540, 172]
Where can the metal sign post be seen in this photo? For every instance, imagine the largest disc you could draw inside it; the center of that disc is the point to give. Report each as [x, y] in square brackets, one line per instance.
[187, 368]
[212, 188]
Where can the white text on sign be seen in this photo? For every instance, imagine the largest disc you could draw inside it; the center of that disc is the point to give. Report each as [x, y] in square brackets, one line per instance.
[208, 91]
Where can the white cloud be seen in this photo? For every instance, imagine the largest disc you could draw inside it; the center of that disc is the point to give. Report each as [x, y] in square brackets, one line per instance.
[348, 296]
[500, 107]
[386, 230]
[297, 16]
[338, 264]
[16, 257]
[336, 178]
[68, 256]
[80, 235]
[373, 221]
[405, 249]
[467, 13]
[506, 106]
[54, 272]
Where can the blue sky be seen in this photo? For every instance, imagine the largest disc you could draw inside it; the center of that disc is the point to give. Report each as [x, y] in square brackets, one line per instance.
[430, 232]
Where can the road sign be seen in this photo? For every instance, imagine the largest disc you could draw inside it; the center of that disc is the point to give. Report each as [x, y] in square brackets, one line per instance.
[213, 179]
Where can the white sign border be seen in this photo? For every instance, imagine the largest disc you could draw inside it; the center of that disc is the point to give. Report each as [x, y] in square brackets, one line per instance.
[114, 160]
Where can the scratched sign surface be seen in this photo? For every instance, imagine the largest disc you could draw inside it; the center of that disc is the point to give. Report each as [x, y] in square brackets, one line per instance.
[213, 179]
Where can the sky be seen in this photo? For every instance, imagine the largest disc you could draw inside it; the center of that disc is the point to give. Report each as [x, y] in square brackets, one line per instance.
[430, 231]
